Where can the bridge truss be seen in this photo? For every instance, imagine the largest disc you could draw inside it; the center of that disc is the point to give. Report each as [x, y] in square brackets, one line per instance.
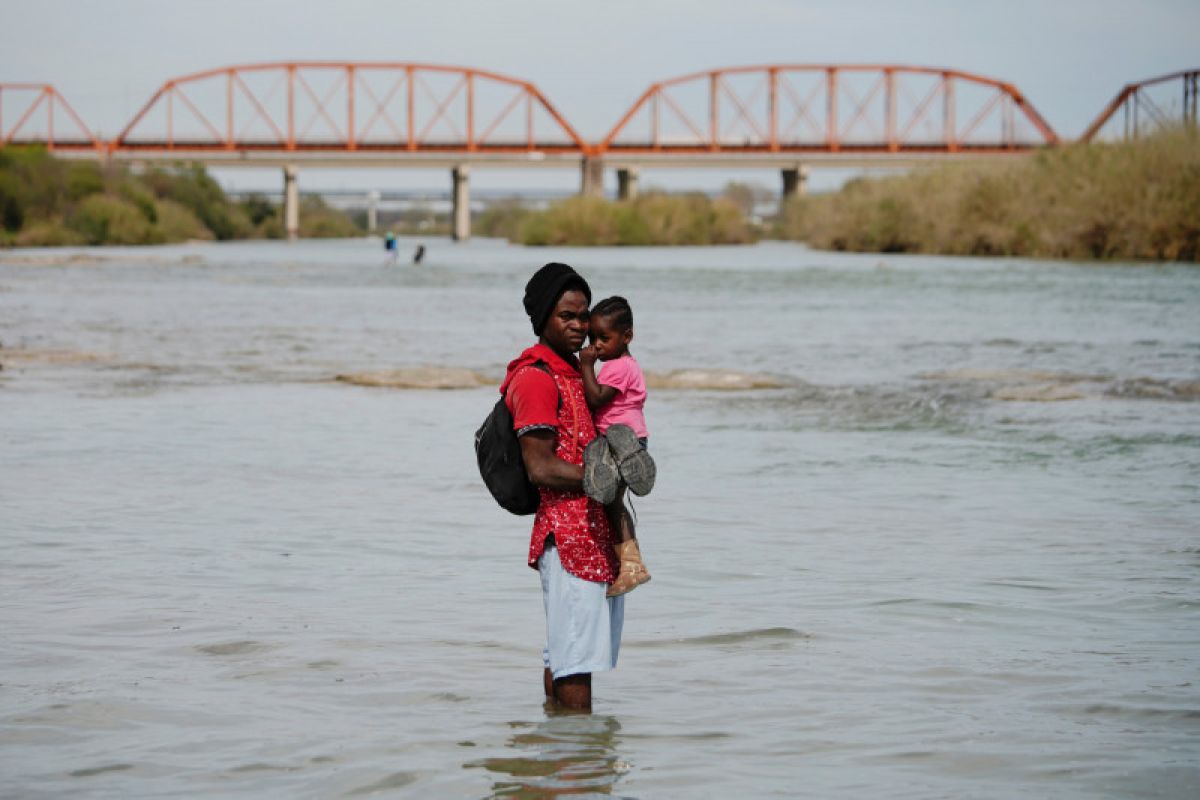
[1149, 105]
[323, 107]
[342, 112]
[35, 113]
[823, 108]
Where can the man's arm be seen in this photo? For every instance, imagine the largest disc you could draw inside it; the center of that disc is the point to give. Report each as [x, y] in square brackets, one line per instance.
[597, 395]
[544, 467]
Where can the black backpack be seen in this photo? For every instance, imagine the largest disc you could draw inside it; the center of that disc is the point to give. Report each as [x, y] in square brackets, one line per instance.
[500, 464]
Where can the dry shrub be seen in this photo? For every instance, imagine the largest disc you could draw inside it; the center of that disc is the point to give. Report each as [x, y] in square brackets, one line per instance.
[576, 220]
[503, 219]
[652, 219]
[1135, 200]
[47, 233]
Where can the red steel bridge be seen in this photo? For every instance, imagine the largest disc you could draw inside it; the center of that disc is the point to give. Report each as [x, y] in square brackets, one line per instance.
[782, 116]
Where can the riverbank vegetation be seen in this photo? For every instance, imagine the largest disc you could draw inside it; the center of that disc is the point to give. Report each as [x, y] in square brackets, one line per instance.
[49, 201]
[654, 218]
[1129, 200]
[1126, 200]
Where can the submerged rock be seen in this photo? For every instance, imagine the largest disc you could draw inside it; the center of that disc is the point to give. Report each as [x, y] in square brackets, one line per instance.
[719, 379]
[93, 259]
[53, 259]
[418, 378]
[1009, 376]
[1154, 389]
[1044, 386]
[18, 355]
[1021, 385]
[1038, 393]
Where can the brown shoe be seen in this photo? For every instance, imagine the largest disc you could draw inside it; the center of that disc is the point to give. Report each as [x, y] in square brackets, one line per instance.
[633, 572]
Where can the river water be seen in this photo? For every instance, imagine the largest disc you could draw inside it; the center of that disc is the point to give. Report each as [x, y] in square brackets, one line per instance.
[955, 554]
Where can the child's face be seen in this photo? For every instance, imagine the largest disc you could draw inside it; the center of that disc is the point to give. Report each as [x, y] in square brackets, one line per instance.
[610, 343]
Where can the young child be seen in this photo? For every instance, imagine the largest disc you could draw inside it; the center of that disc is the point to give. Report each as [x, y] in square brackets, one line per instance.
[617, 398]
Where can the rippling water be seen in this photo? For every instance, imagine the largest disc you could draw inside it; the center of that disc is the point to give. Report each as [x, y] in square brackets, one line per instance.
[956, 555]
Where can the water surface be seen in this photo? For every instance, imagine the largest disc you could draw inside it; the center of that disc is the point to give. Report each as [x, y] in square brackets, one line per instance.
[907, 573]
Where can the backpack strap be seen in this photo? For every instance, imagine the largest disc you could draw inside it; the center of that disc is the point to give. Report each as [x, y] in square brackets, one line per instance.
[574, 416]
[544, 367]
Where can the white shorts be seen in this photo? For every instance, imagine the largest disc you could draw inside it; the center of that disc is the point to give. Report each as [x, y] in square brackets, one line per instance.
[583, 627]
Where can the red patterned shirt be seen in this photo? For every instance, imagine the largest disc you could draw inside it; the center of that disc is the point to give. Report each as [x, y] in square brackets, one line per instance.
[578, 523]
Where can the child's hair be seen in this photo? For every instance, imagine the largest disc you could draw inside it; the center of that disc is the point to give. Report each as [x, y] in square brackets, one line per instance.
[617, 309]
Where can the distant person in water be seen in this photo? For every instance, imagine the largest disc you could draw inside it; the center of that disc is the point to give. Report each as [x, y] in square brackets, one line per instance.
[390, 247]
[419, 254]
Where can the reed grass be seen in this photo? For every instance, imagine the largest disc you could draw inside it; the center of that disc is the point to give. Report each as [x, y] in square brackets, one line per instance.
[654, 218]
[1131, 200]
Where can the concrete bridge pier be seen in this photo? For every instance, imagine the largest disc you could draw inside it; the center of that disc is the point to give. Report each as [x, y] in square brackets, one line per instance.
[291, 202]
[372, 211]
[460, 216]
[627, 183]
[591, 177]
[795, 182]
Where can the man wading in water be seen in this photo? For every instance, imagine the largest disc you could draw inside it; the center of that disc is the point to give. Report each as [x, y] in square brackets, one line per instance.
[571, 544]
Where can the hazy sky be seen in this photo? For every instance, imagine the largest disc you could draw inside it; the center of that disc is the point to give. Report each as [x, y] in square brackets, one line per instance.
[593, 59]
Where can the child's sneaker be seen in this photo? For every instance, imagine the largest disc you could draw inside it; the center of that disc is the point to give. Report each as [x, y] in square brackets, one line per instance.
[634, 463]
[601, 478]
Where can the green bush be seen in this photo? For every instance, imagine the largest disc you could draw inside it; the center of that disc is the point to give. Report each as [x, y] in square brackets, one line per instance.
[258, 209]
[101, 219]
[193, 188]
[12, 211]
[45, 201]
[141, 199]
[270, 228]
[40, 180]
[83, 179]
[178, 224]
[319, 221]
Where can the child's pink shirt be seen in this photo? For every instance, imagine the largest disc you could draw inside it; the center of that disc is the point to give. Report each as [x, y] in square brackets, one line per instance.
[624, 375]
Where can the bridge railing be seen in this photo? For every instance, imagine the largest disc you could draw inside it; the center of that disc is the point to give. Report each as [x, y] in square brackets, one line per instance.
[35, 113]
[1143, 107]
[322, 106]
[829, 108]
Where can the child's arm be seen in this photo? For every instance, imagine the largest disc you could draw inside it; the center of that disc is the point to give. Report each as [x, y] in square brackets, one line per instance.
[597, 396]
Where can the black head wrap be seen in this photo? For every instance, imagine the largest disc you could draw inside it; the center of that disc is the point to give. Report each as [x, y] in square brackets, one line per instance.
[544, 289]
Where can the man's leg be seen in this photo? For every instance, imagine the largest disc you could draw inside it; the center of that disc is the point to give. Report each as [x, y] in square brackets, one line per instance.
[570, 691]
[574, 691]
[583, 632]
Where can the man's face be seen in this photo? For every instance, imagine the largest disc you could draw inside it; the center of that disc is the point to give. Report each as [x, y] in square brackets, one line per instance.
[567, 328]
